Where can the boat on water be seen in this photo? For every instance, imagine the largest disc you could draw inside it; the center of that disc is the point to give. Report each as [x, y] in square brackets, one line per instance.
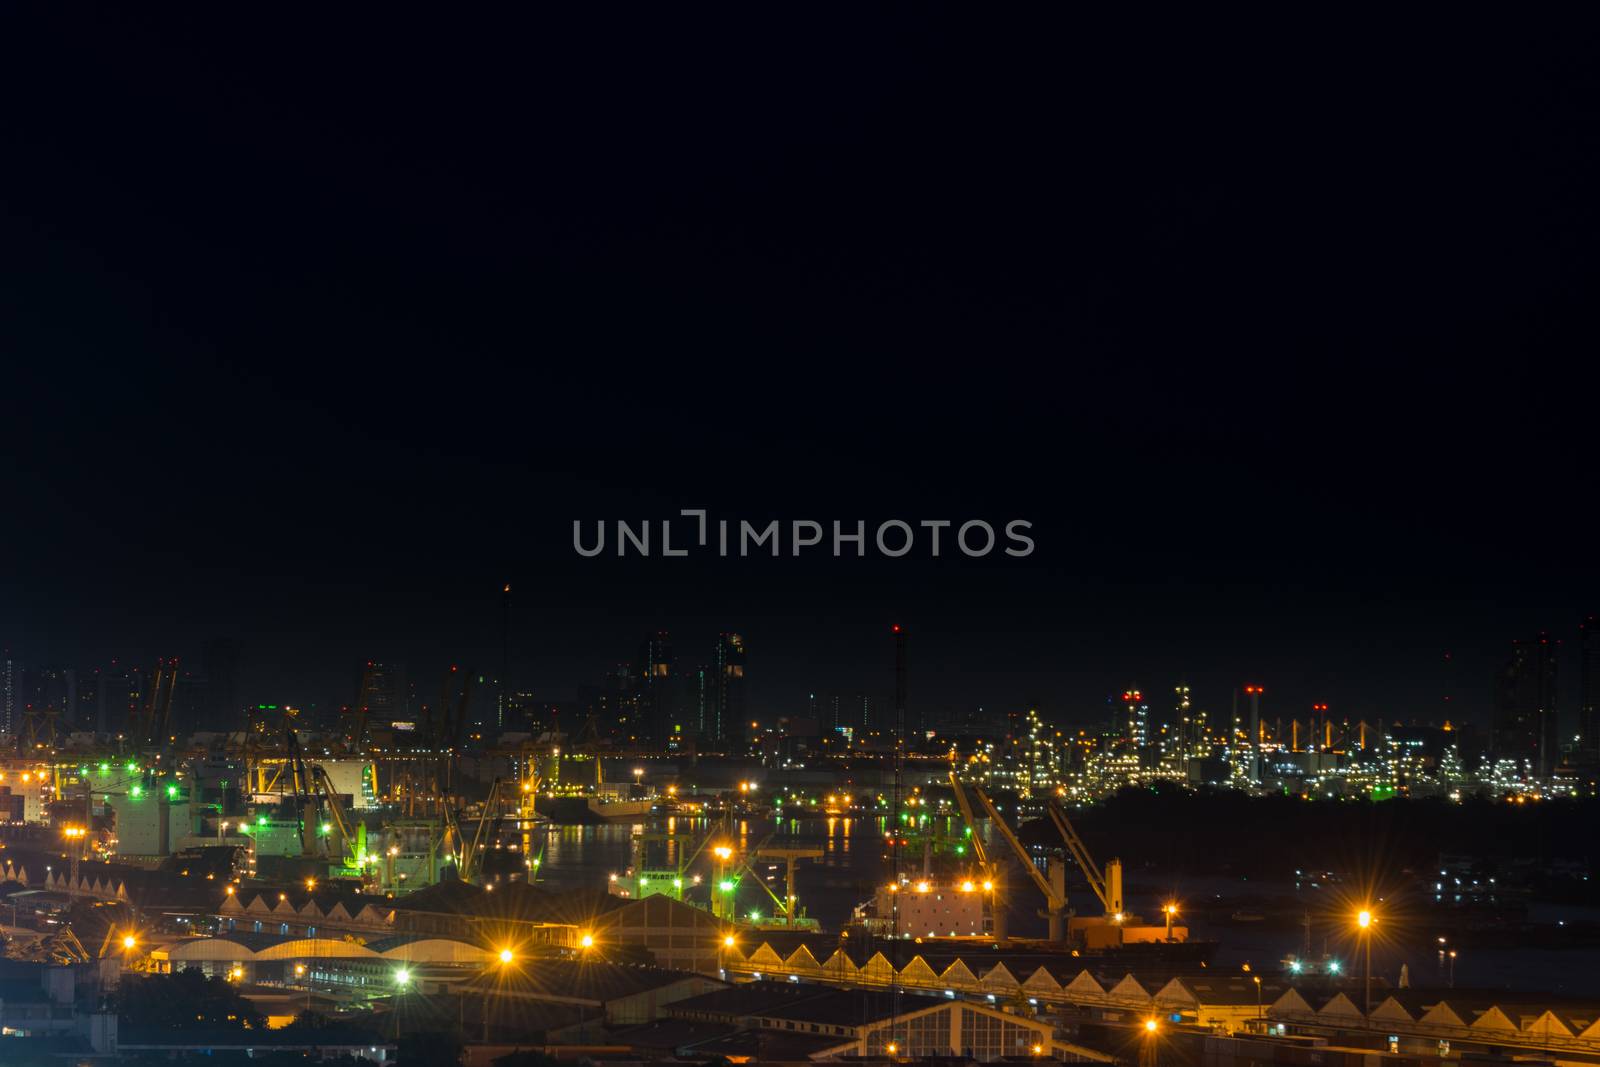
[589, 808]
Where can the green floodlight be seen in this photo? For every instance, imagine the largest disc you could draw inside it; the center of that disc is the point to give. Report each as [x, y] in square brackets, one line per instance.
[726, 887]
[136, 792]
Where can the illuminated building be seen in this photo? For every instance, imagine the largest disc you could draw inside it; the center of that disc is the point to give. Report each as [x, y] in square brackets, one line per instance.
[658, 689]
[728, 708]
[1136, 718]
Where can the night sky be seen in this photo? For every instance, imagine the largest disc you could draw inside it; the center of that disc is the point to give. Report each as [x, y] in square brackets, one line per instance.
[316, 331]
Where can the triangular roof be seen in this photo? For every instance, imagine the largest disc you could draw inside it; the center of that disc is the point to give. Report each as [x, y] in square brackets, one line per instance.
[1340, 1006]
[919, 972]
[1291, 1003]
[1493, 1019]
[1394, 1011]
[959, 976]
[801, 959]
[1546, 1023]
[1443, 1014]
[1129, 990]
[840, 963]
[1041, 981]
[1085, 985]
[878, 967]
[1176, 992]
[998, 977]
[765, 958]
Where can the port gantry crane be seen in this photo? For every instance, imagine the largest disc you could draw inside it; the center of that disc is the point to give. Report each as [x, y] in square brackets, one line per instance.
[990, 870]
[1054, 887]
[313, 789]
[153, 717]
[1107, 886]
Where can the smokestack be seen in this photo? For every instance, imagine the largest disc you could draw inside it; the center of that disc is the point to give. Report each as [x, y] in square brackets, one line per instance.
[1254, 693]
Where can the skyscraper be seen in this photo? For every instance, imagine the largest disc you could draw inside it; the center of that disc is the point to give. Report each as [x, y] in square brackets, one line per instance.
[1525, 722]
[729, 708]
[11, 699]
[658, 688]
[388, 694]
[1589, 688]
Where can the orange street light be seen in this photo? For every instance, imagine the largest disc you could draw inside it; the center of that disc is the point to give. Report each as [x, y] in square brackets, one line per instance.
[506, 955]
[1364, 922]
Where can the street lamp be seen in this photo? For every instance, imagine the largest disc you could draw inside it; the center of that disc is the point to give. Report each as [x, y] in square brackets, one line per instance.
[1147, 1047]
[1170, 911]
[506, 955]
[1364, 923]
[1257, 979]
[129, 941]
[586, 941]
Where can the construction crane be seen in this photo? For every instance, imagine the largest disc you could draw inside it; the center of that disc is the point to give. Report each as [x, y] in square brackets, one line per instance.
[1106, 886]
[988, 868]
[1054, 888]
[313, 789]
[154, 716]
[470, 859]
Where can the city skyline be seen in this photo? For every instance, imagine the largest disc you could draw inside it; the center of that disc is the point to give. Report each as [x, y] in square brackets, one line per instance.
[1458, 696]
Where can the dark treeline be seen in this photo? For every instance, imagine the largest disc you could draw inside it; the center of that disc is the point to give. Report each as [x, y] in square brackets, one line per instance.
[1230, 833]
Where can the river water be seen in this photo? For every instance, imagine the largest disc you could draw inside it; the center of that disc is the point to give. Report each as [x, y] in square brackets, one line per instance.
[855, 861]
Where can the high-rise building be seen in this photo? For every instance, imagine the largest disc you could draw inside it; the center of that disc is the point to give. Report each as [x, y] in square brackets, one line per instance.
[11, 695]
[729, 709]
[658, 689]
[1589, 688]
[1526, 728]
[388, 694]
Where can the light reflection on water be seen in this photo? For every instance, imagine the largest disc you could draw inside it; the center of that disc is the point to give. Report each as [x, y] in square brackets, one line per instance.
[855, 861]
[854, 858]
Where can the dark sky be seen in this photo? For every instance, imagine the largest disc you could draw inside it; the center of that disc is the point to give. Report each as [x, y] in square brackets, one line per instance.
[317, 329]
